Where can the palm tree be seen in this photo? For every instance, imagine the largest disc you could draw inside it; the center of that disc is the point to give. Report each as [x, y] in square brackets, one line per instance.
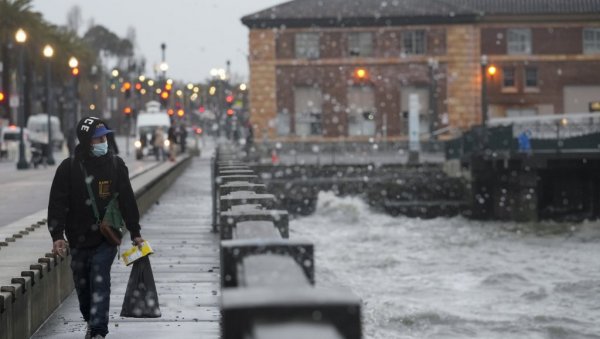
[13, 15]
[16, 14]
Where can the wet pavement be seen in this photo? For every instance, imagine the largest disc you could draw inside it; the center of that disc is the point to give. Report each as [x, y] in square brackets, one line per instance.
[185, 267]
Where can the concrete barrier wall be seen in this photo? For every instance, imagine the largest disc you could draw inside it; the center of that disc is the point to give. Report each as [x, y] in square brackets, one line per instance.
[36, 291]
[267, 280]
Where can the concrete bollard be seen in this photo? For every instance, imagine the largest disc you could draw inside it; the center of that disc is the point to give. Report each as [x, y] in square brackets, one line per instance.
[243, 309]
[234, 251]
[245, 197]
[230, 219]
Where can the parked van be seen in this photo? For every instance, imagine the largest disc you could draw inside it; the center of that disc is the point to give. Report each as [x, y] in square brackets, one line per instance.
[9, 147]
[38, 130]
[148, 122]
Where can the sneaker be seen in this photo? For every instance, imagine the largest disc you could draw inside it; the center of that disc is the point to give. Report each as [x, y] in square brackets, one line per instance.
[88, 332]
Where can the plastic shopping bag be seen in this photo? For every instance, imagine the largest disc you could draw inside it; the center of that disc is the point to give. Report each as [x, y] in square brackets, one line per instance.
[141, 298]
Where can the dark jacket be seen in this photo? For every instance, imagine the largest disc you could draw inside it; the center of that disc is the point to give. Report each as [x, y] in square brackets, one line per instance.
[69, 211]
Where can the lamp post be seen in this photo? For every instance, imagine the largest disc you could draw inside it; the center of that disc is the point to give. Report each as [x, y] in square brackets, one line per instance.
[484, 104]
[433, 118]
[163, 65]
[74, 65]
[49, 53]
[21, 38]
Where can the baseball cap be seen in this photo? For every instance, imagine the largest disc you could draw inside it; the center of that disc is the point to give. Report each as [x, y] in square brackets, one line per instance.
[101, 130]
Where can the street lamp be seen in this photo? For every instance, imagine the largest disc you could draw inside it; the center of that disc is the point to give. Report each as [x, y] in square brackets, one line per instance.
[21, 38]
[484, 104]
[49, 53]
[74, 65]
[164, 67]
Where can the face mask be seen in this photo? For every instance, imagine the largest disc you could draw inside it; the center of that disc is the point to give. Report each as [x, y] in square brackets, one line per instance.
[100, 149]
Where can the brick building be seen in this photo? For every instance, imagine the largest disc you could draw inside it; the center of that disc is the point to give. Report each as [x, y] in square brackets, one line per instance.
[340, 69]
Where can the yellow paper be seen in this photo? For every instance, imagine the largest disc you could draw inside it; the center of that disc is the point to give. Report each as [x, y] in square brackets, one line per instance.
[135, 253]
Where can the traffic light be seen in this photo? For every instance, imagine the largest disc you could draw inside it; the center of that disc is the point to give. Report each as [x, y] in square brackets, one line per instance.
[2, 97]
[75, 71]
[180, 113]
[126, 89]
[170, 112]
[138, 86]
[127, 111]
[228, 104]
[164, 98]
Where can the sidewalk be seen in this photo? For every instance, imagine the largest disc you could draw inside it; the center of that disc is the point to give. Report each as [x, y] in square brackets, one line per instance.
[185, 266]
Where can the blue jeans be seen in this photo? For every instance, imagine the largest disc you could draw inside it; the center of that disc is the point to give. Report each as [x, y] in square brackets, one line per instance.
[91, 274]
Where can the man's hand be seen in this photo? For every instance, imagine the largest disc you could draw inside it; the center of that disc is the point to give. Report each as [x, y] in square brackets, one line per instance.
[138, 241]
[59, 247]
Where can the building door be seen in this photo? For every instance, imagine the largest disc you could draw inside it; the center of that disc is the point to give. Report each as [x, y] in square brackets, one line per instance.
[361, 110]
[424, 115]
[308, 103]
[577, 98]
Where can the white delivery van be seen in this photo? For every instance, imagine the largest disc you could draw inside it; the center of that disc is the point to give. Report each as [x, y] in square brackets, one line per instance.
[11, 138]
[37, 125]
[147, 123]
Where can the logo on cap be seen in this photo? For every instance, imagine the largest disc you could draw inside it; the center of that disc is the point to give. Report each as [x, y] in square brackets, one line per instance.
[87, 123]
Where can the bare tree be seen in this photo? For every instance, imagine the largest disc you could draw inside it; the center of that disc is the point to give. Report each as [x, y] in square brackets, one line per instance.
[74, 19]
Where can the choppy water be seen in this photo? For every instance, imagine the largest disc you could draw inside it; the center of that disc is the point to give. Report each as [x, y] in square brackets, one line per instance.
[456, 278]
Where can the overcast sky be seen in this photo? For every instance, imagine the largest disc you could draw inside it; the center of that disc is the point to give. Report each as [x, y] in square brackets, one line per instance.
[200, 34]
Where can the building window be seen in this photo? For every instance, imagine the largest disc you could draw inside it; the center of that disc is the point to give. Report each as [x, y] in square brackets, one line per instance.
[591, 40]
[283, 123]
[360, 44]
[508, 77]
[413, 42]
[519, 41]
[308, 107]
[517, 112]
[307, 45]
[361, 110]
[531, 77]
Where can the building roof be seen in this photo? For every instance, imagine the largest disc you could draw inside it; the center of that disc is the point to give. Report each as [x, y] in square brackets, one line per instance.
[302, 13]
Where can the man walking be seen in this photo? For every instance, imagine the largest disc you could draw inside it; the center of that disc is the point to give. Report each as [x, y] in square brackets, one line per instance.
[70, 213]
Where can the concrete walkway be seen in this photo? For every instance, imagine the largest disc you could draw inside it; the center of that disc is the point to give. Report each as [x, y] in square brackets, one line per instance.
[185, 266]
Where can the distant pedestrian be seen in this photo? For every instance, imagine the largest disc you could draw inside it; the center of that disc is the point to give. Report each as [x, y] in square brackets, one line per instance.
[525, 142]
[172, 136]
[82, 188]
[249, 138]
[183, 137]
[159, 144]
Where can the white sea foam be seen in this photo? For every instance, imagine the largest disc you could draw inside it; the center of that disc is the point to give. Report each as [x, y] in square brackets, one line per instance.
[457, 278]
